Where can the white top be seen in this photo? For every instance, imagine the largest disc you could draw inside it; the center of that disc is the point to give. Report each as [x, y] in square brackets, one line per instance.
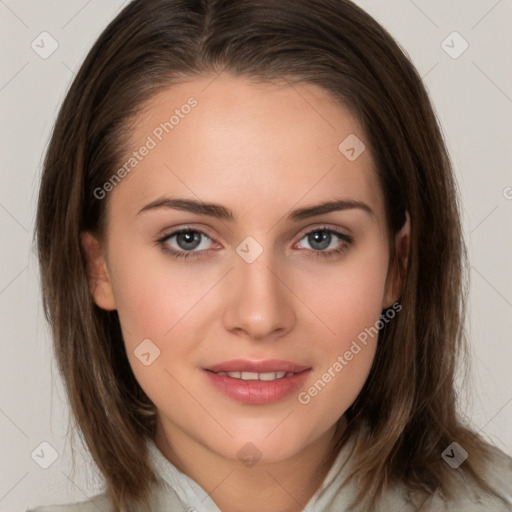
[176, 492]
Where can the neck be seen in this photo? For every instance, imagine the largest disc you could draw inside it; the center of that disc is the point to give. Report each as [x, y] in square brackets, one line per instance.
[283, 486]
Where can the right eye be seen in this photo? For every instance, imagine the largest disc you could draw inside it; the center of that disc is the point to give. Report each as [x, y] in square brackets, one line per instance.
[183, 243]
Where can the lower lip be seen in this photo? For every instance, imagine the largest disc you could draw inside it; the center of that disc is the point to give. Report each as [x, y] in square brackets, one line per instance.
[257, 392]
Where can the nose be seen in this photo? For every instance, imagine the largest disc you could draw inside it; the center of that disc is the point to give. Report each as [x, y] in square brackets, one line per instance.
[260, 300]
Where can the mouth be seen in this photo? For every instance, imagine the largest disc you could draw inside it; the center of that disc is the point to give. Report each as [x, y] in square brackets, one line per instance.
[266, 376]
[267, 366]
[257, 382]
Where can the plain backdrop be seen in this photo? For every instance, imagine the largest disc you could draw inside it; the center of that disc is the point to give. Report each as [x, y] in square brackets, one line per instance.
[472, 94]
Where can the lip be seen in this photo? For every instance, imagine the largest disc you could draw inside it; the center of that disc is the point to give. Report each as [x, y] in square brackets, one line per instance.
[267, 365]
[257, 392]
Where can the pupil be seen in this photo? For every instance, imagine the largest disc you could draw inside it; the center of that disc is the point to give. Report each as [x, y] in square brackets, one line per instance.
[320, 237]
[189, 237]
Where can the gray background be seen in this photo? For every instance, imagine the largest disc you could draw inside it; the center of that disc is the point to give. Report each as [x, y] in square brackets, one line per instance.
[472, 96]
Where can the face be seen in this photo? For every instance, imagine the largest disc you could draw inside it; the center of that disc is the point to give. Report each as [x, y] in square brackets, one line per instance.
[263, 284]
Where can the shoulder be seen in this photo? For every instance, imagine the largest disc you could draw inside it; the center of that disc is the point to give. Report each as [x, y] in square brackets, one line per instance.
[498, 474]
[99, 503]
[470, 498]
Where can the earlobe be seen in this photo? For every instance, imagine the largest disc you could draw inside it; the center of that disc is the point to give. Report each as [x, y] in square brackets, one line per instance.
[98, 277]
[398, 268]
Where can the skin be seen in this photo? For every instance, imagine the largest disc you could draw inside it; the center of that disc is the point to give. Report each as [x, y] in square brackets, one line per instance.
[261, 150]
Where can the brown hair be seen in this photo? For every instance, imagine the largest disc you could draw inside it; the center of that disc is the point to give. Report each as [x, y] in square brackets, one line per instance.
[409, 399]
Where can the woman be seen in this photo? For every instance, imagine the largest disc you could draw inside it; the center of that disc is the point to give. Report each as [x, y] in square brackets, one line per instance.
[253, 266]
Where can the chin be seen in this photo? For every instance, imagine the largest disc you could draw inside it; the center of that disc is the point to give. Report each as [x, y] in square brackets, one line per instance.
[257, 445]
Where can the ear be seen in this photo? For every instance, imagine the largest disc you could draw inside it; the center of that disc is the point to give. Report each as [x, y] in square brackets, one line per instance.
[397, 268]
[98, 277]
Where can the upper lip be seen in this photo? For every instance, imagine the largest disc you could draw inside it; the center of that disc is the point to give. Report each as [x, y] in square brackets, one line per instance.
[246, 365]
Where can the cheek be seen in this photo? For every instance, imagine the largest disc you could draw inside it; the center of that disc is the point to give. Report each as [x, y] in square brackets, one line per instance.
[153, 301]
[153, 294]
[164, 302]
[349, 304]
[348, 296]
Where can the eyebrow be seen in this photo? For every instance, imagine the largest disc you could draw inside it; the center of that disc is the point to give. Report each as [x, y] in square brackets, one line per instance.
[221, 212]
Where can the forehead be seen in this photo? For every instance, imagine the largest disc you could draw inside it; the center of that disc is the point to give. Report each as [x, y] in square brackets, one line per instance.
[248, 145]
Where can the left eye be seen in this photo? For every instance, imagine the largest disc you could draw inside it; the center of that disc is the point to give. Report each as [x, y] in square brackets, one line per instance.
[321, 239]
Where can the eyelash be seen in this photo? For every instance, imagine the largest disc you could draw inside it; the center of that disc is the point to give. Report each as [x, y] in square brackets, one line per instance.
[198, 254]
